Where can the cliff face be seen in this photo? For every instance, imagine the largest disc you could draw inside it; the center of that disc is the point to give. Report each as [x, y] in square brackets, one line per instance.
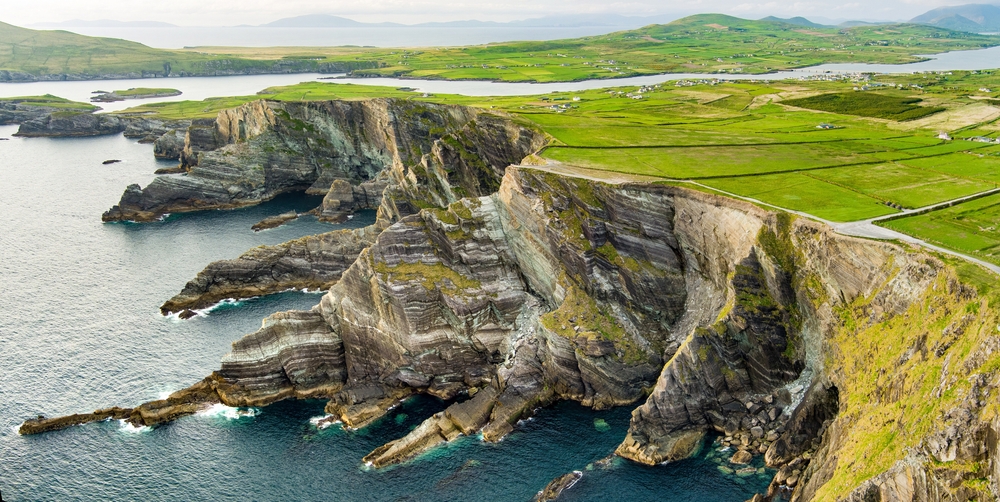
[71, 124]
[261, 149]
[859, 369]
[15, 111]
[354, 152]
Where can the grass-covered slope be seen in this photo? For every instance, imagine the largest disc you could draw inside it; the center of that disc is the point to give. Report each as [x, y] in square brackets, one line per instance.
[913, 393]
[867, 105]
[737, 137]
[42, 54]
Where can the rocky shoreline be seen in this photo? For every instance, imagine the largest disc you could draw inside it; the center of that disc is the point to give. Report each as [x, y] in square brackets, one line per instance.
[518, 288]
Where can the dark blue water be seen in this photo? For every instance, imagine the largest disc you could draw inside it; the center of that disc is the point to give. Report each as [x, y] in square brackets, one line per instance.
[80, 329]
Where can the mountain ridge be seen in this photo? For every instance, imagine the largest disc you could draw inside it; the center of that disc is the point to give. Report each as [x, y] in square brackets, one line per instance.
[976, 18]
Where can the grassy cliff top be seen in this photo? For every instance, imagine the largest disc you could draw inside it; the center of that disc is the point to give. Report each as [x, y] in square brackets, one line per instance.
[820, 147]
[49, 101]
[697, 44]
[147, 91]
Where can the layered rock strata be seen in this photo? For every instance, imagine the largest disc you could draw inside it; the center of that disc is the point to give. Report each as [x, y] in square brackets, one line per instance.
[71, 124]
[16, 111]
[310, 262]
[441, 154]
[263, 148]
[859, 369]
[344, 199]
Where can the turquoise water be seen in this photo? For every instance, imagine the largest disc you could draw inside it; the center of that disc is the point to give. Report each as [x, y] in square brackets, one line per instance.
[80, 329]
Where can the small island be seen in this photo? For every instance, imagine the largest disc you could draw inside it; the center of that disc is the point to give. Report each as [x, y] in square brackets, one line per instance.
[24, 108]
[133, 93]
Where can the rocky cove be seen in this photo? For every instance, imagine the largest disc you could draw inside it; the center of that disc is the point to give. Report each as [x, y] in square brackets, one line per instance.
[502, 289]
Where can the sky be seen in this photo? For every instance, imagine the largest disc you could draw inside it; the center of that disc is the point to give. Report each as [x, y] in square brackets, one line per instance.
[235, 12]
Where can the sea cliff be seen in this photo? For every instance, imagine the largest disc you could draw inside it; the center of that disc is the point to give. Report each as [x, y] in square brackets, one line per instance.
[860, 370]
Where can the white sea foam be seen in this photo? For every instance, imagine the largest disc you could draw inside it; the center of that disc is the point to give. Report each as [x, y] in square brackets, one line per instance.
[228, 302]
[174, 316]
[228, 412]
[127, 427]
[324, 421]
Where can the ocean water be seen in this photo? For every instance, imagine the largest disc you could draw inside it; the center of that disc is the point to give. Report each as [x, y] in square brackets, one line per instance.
[80, 330]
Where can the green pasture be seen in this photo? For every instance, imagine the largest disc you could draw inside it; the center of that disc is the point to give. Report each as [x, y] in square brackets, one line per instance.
[800, 192]
[969, 165]
[867, 104]
[972, 227]
[906, 186]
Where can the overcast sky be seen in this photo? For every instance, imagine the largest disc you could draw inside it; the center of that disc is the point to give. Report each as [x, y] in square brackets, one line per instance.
[233, 12]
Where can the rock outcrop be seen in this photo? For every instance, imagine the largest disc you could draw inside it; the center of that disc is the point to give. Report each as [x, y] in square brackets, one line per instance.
[860, 370]
[311, 262]
[345, 199]
[555, 488]
[18, 111]
[71, 124]
[417, 165]
[264, 148]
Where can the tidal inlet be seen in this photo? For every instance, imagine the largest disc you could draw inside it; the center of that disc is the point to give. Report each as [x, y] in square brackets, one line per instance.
[560, 253]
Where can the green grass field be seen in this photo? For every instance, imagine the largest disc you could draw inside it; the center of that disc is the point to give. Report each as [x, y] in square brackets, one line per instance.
[737, 137]
[804, 193]
[972, 227]
[146, 91]
[867, 104]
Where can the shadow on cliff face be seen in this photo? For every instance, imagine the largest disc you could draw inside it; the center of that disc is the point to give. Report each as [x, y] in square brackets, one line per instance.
[721, 315]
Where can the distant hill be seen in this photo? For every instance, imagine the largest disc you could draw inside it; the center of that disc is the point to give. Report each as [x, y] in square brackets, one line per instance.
[564, 21]
[320, 21]
[800, 21]
[27, 55]
[976, 18]
[104, 23]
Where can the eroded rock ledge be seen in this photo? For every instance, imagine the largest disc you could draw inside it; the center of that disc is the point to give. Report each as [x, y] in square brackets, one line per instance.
[261, 149]
[393, 156]
[703, 307]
